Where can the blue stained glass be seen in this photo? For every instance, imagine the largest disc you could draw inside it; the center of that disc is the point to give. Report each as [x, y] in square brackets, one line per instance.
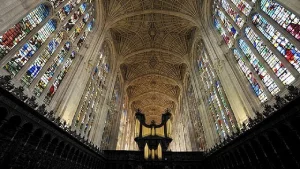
[30, 48]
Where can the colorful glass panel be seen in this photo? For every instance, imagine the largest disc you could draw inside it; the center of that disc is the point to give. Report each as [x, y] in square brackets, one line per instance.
[242, 6]
[279, 69]
[281, 43]
[232, 13]
[232, 31]
[258, 67]
[74, 18]
[285, 18]
[41, 60]
[226, 38]
[48, 75]
[249, 75]
[18, 32]
[30, 48]
[56, 3]
[67, 9]
[54, 87]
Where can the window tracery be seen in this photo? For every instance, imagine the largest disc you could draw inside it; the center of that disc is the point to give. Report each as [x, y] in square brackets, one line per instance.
[273, 39]
[216, 100]
[43, 61]
[96, 88]
[19, 31]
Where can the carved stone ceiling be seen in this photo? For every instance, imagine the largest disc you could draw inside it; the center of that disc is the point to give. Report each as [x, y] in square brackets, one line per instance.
[152, 39]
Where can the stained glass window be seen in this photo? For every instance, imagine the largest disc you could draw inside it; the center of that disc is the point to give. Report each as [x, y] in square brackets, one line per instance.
[19, 31]
[67, 9]
[250, 76]
[41, 60]
[74, 18]
[75, 33]
[56, 3]
[232, 31]
[281, 72]
[48, 75]
[259, 68]
[232, 13]
[217, 105]
[242, 6]
[281, 43]
[30, 48]
[54, 87]
[83, 37]
[285, 18]
[226, 38]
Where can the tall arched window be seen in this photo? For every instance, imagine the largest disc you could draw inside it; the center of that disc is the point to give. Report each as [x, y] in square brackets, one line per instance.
[94, 93]
[19, 31]
[194, 114]
[44, 59]
[217, 103]
[258, 91]
[285, 18]
[263, 42]
[280, 42]
[30, 48]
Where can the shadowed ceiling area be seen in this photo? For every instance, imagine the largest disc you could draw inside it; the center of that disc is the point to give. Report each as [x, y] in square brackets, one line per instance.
[152, 38]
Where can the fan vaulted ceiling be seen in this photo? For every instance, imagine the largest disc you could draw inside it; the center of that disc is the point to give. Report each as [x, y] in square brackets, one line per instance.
[152, 38]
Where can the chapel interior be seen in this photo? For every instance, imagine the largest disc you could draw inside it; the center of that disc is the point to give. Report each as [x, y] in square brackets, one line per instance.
[149, 84]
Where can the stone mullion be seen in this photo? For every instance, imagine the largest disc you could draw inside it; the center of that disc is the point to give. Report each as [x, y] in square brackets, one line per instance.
[238, 29]
[211, 120]
[281, 58]
[85, 109]
[42, 96]
[223, 108]
[258, 79]
[216, 106]
[233, 122]
[189, 114]
[211, 105]
[101, 114]
[96, 99]
[265, 64]
[23, 71]
[88, 111]
[70, 14]
[252, 4]
[60, 6]
[217, 111]
[72, 69]
[232, 5]
[225, 29]
[225, 100]
[15, 49]
[82, 104]
[280, 29]
[62, 64]
[93, 113]
[78, 21]
[216, 121]
[46, 66]
[244, 83]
